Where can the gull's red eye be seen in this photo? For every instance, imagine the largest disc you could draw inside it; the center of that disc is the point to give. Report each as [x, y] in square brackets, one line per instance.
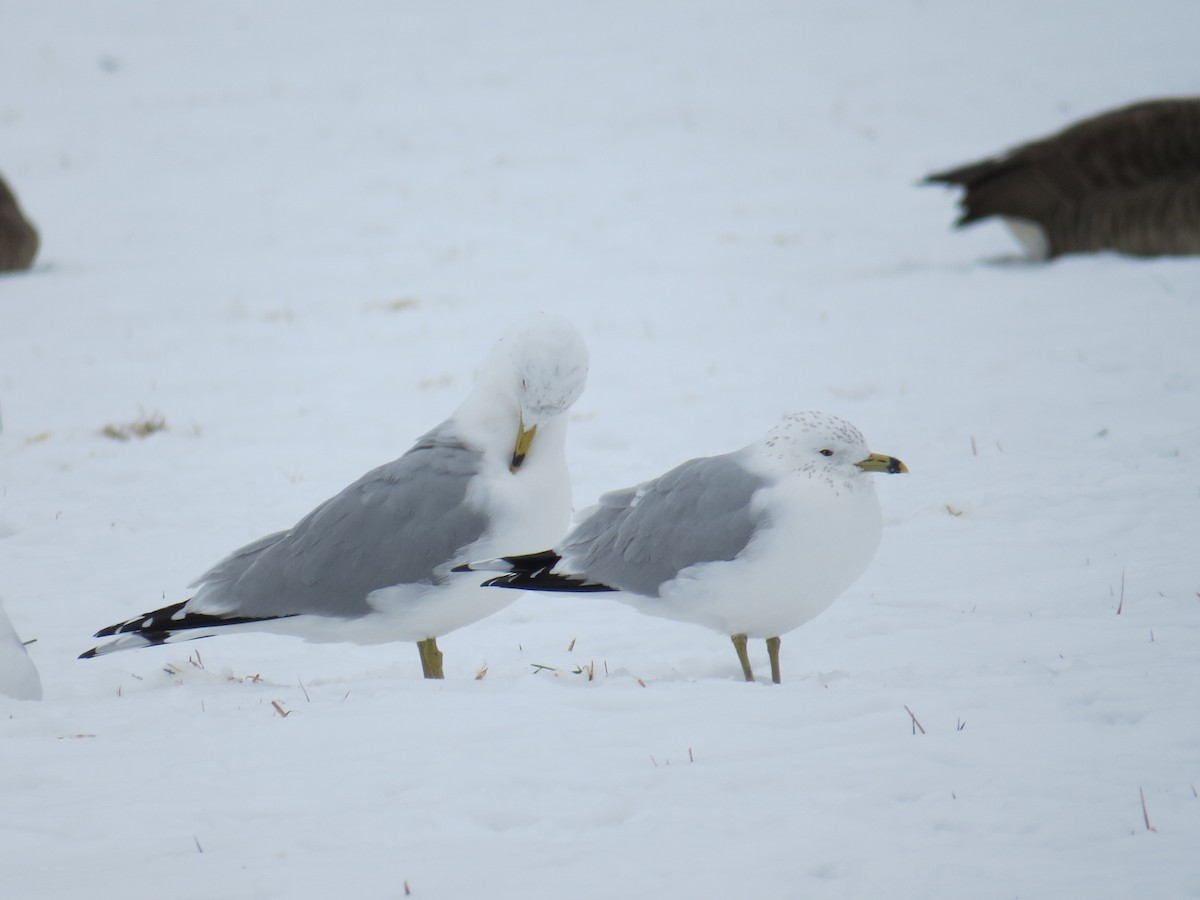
[827, 452]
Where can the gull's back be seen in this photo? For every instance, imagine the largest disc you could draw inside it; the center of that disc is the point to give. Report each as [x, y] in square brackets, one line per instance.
[636, 539]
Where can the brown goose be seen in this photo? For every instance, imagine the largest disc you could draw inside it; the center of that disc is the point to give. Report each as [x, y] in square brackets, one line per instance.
[18, 237]
[1126, 180]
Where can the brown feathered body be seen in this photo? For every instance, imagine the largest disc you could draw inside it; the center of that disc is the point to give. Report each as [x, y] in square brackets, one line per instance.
[18, 238]
[1126, 180]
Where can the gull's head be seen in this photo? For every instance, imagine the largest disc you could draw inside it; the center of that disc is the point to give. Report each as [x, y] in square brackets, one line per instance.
[549, 366]
[539, 369]
[821, 445]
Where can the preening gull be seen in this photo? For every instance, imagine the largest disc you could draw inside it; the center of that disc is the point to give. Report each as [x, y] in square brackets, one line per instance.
[372, 564]
[751, 544]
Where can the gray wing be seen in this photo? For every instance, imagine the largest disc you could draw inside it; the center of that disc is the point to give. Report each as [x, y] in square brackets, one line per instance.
[395, 525]
[239, 560]
[637, 538]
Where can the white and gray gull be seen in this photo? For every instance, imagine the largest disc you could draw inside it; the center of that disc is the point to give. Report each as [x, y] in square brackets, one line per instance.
[751, 544]
[372, 564]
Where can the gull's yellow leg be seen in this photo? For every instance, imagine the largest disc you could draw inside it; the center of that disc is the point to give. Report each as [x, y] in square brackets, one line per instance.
[431, 658]
[773, 653]
[739, 644]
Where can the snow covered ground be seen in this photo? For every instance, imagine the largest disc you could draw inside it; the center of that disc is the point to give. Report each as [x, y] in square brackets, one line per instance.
[291, 230]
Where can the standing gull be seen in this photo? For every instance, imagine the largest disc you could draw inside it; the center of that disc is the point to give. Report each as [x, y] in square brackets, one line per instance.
[751, 544]
[372, 563]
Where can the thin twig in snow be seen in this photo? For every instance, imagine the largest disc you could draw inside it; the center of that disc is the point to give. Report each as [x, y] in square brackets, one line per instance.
[1145, 815]
[1121, 602]
[916, 724]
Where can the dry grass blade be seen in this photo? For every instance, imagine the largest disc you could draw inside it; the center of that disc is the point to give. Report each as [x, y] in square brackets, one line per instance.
[141, 427]
[915, 723]
[1145, 814]
[482, 673]
[284, 713]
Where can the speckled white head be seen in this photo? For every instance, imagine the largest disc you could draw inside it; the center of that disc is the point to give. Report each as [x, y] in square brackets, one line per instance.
[820, 445]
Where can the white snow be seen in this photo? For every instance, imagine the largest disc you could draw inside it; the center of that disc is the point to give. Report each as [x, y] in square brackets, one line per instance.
[249, 211]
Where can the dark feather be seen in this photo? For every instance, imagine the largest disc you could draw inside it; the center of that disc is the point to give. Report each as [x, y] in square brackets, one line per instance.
[533, 572]
[161, 625]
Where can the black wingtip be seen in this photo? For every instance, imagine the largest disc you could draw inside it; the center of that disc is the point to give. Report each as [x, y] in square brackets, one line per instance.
[547, 581]
[88, 654]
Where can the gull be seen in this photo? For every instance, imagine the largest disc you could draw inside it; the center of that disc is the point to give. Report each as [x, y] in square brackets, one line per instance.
[372, 564]
[18, 675]
[751, 544]
[1126, 180]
